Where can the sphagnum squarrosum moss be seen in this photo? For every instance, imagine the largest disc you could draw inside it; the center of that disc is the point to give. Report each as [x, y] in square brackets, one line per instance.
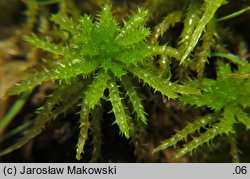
[106, 56]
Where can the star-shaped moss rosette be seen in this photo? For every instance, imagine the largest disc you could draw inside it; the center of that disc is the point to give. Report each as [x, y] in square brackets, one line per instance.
[99, 56]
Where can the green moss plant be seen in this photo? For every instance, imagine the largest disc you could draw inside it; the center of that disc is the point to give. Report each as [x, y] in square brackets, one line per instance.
[94, 60]
[227, 98]
[103, 55]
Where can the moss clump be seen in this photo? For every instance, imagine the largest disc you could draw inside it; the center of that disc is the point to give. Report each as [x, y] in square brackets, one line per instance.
[93, 62]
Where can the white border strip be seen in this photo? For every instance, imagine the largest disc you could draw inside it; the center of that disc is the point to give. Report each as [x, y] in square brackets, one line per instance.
[125, 170]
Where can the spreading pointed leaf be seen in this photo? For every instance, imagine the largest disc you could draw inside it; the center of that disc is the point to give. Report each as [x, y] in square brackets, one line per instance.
[135, 100]
[95, 91]
[83, 134]
[162, 85]
[122, 120]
